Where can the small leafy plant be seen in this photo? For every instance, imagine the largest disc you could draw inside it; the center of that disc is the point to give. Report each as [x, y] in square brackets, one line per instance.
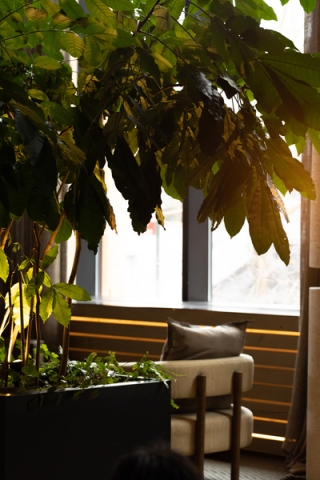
[92, 371]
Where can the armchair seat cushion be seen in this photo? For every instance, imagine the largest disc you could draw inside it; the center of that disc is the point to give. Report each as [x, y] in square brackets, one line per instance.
[217, 431]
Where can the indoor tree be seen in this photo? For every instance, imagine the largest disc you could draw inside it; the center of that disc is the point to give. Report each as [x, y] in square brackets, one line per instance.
[169, 94]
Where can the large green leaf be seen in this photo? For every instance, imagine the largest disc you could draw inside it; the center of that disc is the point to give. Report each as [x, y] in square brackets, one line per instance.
[92, 52]
[257, 9]
[44, 209]
[308, 5]
[101, 11]
[72, 9]
[299, 66]
[234, 218]
[290, 170]
[47, 303]
[4, 266]
[51, 7]
[91, 220]
[308, 99]
[58, 113]
[34, 285]
[72, 291]
[65, 231]
[46, 63]
[50, 257]
[257, 208]
[61, 310]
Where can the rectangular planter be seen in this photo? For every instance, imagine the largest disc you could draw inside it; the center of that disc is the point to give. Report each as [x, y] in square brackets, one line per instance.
[79, 438]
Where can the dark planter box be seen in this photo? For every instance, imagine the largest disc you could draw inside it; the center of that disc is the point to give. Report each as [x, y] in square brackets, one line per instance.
[80, 438]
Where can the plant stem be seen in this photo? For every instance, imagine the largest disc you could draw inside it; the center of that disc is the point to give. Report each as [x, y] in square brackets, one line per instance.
[5, 235]
[66, 330]
[53, 236]
[37, 316]
[28, 338]
[21, 323]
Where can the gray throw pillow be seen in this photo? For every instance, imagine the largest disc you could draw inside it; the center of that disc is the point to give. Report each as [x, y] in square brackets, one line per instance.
[192, 342]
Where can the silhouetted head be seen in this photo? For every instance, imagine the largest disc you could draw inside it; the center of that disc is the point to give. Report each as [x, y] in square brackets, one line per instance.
[155, 463]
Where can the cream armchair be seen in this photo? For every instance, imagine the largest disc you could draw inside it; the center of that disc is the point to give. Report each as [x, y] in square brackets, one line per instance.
[210, 429]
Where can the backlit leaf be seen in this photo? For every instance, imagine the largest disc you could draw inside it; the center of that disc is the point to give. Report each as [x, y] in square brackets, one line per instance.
[34, 285]
[50, 257]
[73, 44]
[72, 291]
[47, 302]
[234, 218]
[51, 7]
[65, 232]
[61, 310]
[308, 5]
[4, 266]
[46, 63]
[101, 11]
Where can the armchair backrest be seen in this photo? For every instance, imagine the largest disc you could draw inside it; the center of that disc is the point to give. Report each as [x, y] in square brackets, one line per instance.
[218, 371]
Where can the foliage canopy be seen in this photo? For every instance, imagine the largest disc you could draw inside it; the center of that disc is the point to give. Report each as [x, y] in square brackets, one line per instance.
[167, 95]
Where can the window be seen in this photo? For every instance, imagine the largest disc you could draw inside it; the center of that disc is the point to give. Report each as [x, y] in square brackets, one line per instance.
[146, 268]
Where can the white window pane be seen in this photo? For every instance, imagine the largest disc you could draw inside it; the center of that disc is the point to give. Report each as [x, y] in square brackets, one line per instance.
[143, 268]
[244, 280]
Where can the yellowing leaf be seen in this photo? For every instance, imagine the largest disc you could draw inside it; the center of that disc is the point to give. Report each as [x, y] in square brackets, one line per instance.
[73, 44]
[46, 63]
[62, 21]
[163, 64]
[38, 94]
[36, 14]
[51, 7]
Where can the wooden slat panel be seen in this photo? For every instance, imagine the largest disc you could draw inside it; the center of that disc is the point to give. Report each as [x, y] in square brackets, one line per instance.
[273, 375]
[270, 428]
[268, 392]
[188, 314]
[271, 357]
[137, 345]
[120, 329]
[274, 341]
[275, 410]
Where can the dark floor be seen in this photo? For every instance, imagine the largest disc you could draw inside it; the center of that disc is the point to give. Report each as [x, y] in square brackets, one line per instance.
[253, 467]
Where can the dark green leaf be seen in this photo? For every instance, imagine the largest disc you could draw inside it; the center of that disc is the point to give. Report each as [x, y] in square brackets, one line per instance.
[44, 209]
[234, 219]
[257, 9]
[290, 170]
[65, 231]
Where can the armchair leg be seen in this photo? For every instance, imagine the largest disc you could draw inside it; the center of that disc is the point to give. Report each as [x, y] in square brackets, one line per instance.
[200, 422]
[236, 425]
